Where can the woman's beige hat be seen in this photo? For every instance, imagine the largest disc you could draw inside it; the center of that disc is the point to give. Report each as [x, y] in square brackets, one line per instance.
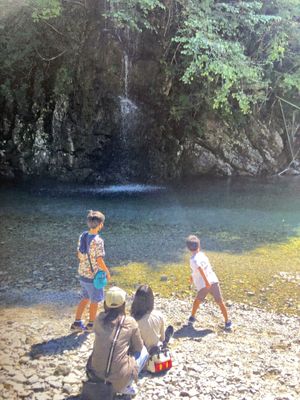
[115, 297]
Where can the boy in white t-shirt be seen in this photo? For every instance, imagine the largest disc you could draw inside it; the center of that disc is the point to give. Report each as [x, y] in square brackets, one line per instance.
[204, 279]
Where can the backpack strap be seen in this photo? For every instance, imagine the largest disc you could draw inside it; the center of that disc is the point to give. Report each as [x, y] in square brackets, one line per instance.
[88, 253]
[113, 345]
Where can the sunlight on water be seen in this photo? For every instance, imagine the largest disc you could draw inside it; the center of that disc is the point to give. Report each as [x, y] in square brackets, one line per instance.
[112, 189]
[129, 189]
[245, 225]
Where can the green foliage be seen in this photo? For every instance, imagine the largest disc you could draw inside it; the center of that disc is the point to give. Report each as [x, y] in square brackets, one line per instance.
[133, 14]
[286, 73]
[45, 9]
[277, 47]
[214, 55]
[33, 40]
[216, 40]
[290, 82]
[15, 58]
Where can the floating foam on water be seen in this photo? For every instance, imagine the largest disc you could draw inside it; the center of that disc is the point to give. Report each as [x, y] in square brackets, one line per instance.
[112, 189]
[132, 188]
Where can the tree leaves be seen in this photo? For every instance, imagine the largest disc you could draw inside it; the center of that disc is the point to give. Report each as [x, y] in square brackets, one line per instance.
[133, 14]
[218, 40]
[230, 54]
[45, 9]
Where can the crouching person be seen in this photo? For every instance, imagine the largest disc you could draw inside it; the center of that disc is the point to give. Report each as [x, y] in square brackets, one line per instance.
[129, 355]
[150, 321]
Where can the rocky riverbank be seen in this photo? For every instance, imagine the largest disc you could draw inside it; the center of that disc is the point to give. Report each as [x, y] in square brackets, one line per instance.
[41, 360]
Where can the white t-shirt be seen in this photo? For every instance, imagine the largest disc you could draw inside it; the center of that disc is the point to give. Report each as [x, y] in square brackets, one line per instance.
[200, 260]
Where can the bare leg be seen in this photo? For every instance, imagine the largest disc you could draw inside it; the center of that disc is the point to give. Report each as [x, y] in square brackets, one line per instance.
[80, 308]
[196, 305]
[93, 311]
[223, 310]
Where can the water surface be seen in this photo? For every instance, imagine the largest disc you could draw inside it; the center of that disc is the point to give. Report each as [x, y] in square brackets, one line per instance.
[40, 224]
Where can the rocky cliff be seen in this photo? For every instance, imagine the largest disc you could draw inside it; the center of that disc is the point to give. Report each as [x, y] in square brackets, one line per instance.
[108, 110]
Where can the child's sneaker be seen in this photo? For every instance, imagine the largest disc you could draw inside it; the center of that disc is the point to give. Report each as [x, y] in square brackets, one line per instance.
[78, 326]
[168, 335]
[90, 327]
[228, 325]
[191, 320]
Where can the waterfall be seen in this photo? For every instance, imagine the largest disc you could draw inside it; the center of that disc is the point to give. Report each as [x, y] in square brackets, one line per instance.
[127, 142]
[127, 106]
[126, 70]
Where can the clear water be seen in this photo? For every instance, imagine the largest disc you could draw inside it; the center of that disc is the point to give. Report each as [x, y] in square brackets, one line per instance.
[40, 224]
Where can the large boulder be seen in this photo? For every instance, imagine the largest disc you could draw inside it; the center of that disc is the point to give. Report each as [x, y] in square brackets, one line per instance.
[250, 149]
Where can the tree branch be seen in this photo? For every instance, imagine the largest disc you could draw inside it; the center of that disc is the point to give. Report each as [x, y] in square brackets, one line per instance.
[49, 59]
[53, 28]
[175, 52]
[288, 102]
[78, 3]
[286, 130]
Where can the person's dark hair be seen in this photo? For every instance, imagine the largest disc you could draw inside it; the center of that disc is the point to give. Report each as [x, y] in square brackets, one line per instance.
[94, 219]
[193, 242]
[113, 313]
[143, 302]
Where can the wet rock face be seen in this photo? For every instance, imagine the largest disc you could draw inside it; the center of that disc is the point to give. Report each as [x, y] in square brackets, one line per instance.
[78, 134]
[73, 149]
[226, 150]
[70, 152]
[78, 153]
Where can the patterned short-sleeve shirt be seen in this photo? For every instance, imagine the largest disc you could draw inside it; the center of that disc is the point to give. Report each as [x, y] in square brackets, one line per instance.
[96, 250]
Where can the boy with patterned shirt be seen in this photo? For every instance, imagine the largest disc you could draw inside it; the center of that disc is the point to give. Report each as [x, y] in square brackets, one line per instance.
[204, 279]
[90, 252]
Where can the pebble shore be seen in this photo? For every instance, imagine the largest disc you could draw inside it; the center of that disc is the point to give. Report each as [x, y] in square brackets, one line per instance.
[259, 359]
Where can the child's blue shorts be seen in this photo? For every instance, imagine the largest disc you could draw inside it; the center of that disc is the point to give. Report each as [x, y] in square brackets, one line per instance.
[88, 291]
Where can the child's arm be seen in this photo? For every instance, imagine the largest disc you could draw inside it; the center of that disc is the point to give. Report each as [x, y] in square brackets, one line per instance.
[79, 254]
[207, 284]
[103, 266]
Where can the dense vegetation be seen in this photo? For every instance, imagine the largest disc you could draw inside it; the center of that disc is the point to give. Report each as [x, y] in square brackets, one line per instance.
[231, 58]
[233, 54]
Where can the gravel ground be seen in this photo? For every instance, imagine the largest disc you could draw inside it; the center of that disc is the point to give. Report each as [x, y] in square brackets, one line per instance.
[259, 359]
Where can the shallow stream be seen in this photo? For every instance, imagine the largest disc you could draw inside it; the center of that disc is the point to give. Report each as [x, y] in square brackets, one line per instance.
[41, 223]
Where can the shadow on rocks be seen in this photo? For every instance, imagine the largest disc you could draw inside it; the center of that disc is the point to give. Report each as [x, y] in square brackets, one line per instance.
[116, 397]
[73, 398]
[191, 332]
[57, 346]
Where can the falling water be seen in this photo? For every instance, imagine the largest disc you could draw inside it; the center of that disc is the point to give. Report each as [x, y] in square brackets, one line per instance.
[128, 108]
[126, 69]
